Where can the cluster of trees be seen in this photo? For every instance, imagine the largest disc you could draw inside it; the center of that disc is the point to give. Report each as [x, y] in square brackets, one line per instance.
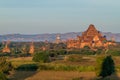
[5, 67]
[21, 49]
[41, 57]
[104, 68]
[105, 64]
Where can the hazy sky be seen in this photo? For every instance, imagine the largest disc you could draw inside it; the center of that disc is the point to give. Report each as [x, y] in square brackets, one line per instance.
[58, 16]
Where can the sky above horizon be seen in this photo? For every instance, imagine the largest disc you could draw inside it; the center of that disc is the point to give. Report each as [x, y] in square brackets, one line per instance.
[58, 16]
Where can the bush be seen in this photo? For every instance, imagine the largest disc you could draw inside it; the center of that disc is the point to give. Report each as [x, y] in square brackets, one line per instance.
[62, 67]
[4, 54]
[106, 66]
[62, 52]
[28, 67]
[2, 76]
[99, 51]
[87, 51]
[74, 58]
[5, 66]
[114, 52]
[83, 51]
[53, 53]
[41, 57]
[74, 52]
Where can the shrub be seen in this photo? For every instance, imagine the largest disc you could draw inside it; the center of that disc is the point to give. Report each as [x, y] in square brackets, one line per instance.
[62, 52]
[4, 54]
[41, 57]
[5, 66]
[28, 67]
[87, 51]
[106, 66]
[74, 58]
[114, 52]
[53, 53]
[74, 52]
[62, 67]
[2, 76]
[99, 51]
[84, 51]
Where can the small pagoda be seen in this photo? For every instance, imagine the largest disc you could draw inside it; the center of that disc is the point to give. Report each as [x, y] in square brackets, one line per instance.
[31, 51]
[6, 49]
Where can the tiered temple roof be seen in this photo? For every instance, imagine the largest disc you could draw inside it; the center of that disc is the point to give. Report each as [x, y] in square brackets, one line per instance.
[91, 37]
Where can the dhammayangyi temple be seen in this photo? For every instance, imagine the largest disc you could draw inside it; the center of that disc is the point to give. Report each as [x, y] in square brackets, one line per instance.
[91, 38]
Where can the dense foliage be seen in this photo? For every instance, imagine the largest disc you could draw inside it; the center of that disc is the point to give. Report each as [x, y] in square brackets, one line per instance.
[74, 58]
[105, 66]
[5, 66]
[27, 67]
[2, 76]
[63, 67]
[42, 56]
[108, 67]
[114, 52]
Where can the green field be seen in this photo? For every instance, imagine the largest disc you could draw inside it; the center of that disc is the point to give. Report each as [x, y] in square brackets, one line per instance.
[59, 69]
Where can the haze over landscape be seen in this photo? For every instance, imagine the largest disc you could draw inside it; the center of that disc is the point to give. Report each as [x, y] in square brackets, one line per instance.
[58, 16]
[59, 40]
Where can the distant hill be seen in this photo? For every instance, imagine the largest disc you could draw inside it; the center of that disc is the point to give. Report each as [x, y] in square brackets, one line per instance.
[51, 37]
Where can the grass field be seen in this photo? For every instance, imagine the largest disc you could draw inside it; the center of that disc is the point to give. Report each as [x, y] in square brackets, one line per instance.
[52, 75]
[59, 75]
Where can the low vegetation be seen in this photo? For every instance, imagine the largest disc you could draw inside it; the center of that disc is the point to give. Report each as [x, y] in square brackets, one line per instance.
[59, 59]
[41, 57]
[2, 76]
[62, 67]
[5, 67]
[27, 67]
[74, 58]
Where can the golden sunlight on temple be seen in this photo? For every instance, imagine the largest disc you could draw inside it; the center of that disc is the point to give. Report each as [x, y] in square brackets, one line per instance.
[91, 38]
[6, 49]
[31, 51]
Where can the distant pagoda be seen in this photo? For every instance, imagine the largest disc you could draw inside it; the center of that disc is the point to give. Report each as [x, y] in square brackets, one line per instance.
[58, 39]
[91, 38]
[31, 51]
[6, 49]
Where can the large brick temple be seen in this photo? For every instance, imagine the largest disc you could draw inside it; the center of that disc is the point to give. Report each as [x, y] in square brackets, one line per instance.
[91, 38]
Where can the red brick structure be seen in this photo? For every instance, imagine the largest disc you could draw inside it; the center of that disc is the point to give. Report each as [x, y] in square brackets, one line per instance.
[31, 51]
[91, 38]
[6, 49]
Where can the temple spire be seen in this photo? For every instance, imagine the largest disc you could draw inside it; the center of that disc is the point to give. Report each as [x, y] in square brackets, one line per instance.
[6, 49]
[31, 48]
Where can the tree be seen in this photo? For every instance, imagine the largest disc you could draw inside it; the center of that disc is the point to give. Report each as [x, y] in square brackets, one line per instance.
[41, 57]
[5, 66]
[107, 67]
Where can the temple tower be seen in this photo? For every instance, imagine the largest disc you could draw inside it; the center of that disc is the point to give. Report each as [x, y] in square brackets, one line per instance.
[6, 49]
[31, 51]
[91, 38]
[58, 39]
